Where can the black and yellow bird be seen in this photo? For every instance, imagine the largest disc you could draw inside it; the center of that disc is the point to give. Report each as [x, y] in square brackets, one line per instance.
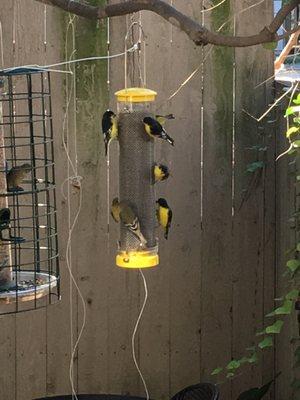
[257, 393]
[163, 118]
[164, 215]
[109, 128]
[160, 173]
[155, 130]
[15, 177]
[121, 211]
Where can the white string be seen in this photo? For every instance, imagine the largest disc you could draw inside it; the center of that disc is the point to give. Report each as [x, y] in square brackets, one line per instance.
[68, 62]
[1, 44]
[134, 333]
[213, 7]
[45, 27]
[171, 32]
[210, 48]
[71, 225]
[233, 125]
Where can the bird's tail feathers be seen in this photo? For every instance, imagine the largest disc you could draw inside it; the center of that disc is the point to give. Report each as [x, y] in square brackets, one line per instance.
[169, 139]
[166, 234]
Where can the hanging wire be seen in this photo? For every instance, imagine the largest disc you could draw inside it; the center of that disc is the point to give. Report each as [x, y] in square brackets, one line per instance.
[171, 28]
[134, 334]
[141, 37]
[209, 50]
[71, 224]
[233, 124]
[45, 28]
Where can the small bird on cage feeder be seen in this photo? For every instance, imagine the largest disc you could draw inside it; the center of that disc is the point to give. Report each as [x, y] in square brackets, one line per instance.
[109, 128]
[120, 211]
[5, 225]
[155, 130]
[164, 215]
[15, 177]
[160, 172]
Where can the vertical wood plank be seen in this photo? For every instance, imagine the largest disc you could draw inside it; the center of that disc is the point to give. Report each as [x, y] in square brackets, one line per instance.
[254, 218]
[285, 204]
[8, 322]
[123, 286]
[216, 291]
[93, 273]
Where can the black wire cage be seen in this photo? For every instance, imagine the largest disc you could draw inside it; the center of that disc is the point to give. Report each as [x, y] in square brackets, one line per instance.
[29, 268]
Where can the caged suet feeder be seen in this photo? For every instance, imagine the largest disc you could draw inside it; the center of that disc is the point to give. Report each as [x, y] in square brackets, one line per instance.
[29, 271]
[136, 187]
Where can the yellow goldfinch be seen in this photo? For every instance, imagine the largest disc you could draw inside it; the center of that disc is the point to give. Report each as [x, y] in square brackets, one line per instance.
[15, 176]
[160, 172]
[109, 128]
[121, 211]
[162, 118]
[164, 215]
[155, 130]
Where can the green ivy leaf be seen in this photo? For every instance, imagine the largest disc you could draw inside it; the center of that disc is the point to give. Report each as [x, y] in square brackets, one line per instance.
[217, 371]
[293, 294]
[230, 375]
[296, 144]
[253, 359]
[234, 364]
[297, 100]
[275, 328]
[293, 265]
[289, 111]
[291, 131]
[254, 166]
[267, 342]
[285, 309]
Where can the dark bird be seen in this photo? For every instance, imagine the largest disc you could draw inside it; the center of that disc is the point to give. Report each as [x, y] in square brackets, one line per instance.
[164, 215]
[15, 176]
[155, 130]
[109, 128]
[5, 225]
[160, 173]
[257, 393]
[121, 211]
[162, 118]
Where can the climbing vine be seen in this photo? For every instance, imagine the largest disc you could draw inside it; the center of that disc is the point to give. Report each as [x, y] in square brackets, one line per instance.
[288, 303]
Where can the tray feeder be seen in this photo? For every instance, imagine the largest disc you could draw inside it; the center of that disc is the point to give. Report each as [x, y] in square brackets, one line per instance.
[136, 187]
[29, 270]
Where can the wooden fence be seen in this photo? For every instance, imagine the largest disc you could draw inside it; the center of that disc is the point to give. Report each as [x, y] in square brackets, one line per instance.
[220, 268]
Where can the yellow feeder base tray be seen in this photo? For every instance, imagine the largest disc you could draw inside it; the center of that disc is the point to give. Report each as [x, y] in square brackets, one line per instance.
[136, 260]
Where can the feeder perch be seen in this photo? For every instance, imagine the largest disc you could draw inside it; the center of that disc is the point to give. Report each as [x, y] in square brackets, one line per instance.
[135, 177]
[29, 271]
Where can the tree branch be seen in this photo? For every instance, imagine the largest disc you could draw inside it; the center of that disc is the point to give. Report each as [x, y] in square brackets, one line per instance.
[195, 31]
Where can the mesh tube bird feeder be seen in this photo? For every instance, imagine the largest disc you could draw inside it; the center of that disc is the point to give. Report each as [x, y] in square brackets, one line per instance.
[136, 187]
[29, 270]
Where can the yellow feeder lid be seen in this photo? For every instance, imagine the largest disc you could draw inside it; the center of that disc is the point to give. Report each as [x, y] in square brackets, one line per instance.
[138, 259]
[136, 95]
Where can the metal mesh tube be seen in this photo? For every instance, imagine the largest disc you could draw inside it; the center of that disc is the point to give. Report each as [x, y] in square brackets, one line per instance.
[136, 161]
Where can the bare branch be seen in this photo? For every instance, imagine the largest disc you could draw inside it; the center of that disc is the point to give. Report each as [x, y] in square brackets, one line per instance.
[195, 31]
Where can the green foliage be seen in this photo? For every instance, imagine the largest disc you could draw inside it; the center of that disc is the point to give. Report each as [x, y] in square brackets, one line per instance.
[286, 308]
[255, 166]
[267, 342]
